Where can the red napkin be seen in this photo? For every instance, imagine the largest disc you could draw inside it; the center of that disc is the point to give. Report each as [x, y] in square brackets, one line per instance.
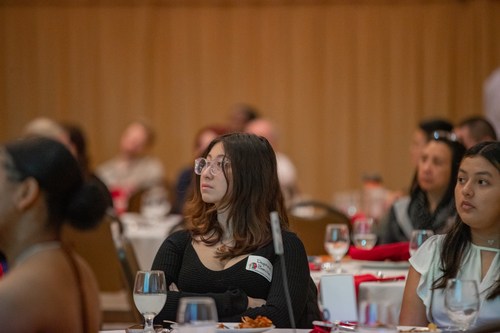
[358, 279]
[394, 252]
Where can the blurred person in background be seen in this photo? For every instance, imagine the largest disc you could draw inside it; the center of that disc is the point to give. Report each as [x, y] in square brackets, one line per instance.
[184, 185]
[47, 288]
[423, 133]
[240, 115]
[430, 204]
[470, 250]
[287, 173]
[49, 128]
[78, 140]
[473, 130]
[133, 168]
[227, 251]
[491, 99]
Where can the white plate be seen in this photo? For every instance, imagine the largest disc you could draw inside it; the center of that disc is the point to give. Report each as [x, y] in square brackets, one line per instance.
[385, 264]
[416, 329]
[233, 328]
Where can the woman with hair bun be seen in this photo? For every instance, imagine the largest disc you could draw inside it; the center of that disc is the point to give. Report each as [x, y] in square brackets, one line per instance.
[47, 288]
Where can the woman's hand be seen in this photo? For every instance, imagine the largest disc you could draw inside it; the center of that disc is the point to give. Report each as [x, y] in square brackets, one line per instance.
[255, 302]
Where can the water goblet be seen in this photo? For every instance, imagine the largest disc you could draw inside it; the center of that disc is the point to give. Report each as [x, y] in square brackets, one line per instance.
[196, 315]
[418, 237]
[337, 243]
[461, 301]
[150, 295]
[363, 235]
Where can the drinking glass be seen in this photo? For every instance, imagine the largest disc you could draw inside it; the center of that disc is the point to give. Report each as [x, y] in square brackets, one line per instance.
[150, 295]
[418, 237]
[155, 204]
[378, 317]
[197, 315]
[363, 234]
[337, 243]
[461, 301]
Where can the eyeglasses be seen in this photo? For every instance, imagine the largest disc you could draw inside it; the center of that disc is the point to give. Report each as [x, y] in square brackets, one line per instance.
[450, 136]
[215, 166]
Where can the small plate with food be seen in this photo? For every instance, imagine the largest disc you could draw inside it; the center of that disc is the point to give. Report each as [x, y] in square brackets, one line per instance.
[247, 325]
[431, 328]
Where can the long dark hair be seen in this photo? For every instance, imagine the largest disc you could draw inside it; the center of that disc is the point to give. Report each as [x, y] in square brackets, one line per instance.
[254, 194]
[457, 241]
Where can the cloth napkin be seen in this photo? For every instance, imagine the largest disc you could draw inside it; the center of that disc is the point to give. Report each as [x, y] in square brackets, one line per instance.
[393, 252]
[358, 279]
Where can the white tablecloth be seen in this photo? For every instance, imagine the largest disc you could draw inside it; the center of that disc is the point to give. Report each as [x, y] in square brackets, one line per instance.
[147, 236]
[388, 292]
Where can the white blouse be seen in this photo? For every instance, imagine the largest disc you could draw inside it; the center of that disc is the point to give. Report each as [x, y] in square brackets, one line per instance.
[426, 261]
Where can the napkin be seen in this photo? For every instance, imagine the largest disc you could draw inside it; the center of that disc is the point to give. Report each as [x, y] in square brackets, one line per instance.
[394, 252]
[358, 279]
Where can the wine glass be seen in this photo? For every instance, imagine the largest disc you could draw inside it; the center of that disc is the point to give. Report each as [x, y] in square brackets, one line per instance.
[418, 237]
[150, 295]
[197, 315]
[155, 204]
[461, 301]
[363, 234]
[337, 243]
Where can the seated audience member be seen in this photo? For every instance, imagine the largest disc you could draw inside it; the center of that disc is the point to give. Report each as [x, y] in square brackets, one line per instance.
[46, 127]
[474, 130]
[47, 287]
[228, 241]
[183, 186]
[430, 204]
[78, 140]
[287, 172]
[470, 250]
[132, 169]
[423, 133]
[241, 114]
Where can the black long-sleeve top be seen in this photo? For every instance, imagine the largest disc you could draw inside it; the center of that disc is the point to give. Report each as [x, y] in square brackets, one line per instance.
[230, 287]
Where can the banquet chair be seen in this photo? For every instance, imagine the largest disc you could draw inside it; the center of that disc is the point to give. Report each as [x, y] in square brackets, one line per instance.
[308, 219]
[113, 262]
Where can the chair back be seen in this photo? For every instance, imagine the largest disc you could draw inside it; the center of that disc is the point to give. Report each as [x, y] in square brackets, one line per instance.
[114, 265]
[308, 219]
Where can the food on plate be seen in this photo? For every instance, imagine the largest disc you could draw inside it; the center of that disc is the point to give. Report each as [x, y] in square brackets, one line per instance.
[409, 329]
[259, 321]
[247, 322]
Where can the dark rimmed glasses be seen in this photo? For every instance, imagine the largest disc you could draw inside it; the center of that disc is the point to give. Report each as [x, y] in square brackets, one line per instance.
[214, 167]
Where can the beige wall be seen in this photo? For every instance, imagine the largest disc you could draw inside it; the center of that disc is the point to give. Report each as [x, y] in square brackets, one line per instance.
[347, 81]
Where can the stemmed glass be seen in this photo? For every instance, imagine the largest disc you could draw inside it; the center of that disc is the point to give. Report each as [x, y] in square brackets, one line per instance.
[337, 243]
[197, 314]
[150, 295]
[418, 237]
[461, 301]
[363, 234]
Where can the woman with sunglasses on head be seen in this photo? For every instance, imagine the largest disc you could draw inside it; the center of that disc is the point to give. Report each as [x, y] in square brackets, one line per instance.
[47, 288]
[227, 250]
[470, 250]
[430, 204]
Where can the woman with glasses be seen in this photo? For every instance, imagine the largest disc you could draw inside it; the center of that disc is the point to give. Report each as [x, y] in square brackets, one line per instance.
[430, 204]
[227, 250]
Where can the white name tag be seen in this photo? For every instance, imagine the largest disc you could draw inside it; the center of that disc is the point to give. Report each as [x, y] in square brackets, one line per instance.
[260, 265]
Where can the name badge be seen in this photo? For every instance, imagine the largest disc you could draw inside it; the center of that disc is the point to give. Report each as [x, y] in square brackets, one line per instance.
[260, 265]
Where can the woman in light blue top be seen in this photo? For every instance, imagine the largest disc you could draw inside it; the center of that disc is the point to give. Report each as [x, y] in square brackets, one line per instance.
[471, 249]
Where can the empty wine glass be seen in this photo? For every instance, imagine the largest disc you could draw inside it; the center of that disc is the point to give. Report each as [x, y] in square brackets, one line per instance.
[197, 315]
[337, 243]
[363, 234]
[150, 295]
[418, 237]
[461, 301]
